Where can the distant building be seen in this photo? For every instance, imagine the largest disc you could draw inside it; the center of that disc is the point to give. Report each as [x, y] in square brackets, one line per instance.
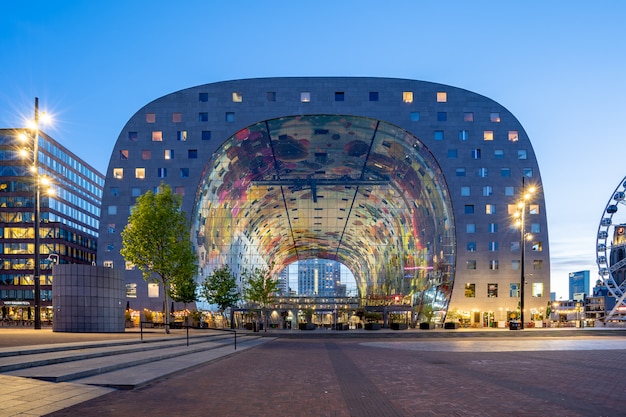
[319, 277]
[69, 220]
[579, 284]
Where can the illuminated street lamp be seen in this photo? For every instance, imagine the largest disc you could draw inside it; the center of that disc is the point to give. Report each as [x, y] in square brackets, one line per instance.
[521, 223]
[38, 180]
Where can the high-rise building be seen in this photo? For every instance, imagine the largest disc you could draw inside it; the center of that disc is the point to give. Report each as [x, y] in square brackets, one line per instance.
[579, 285]
[69, 218]
[319, 277]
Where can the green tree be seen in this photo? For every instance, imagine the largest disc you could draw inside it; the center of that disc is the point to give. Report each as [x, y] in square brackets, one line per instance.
[157, 240]
[260, 289]
[221, 288]
[183, 290]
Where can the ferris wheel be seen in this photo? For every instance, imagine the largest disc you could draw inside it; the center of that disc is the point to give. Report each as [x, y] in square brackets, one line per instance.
[611, 249]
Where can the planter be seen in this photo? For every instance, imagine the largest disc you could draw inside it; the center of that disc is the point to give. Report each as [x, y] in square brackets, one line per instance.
[426, 326]
[451, 325]
[341, 326]
[249, 326]
[306, 326]
[399, 326]
[372, 326]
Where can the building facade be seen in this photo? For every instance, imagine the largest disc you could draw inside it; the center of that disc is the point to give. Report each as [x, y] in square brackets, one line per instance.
[579, 285]
[69, 218]
[412, 185]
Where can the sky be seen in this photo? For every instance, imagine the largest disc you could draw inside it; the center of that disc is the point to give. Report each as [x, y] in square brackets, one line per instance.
[558, 66]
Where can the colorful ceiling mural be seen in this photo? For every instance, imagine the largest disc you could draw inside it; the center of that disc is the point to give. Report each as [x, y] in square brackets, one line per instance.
[351, 189]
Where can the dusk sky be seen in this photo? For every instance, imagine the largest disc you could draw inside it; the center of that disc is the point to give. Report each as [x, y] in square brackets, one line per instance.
[558, 66]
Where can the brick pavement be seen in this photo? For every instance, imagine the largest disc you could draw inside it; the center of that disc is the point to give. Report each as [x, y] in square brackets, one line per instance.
[345, 377]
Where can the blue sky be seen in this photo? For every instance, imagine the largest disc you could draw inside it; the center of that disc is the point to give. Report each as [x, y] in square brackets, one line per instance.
[559, 66]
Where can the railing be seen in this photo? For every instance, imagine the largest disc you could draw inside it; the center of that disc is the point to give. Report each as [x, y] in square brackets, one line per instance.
[186, 327]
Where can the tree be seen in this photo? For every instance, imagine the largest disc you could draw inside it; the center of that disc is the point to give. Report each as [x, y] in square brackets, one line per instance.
[260, 289]
[157, 240]
[221, 288]
[183, 290]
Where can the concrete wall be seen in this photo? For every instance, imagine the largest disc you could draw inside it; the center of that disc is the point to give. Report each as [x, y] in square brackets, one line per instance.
[88, 299]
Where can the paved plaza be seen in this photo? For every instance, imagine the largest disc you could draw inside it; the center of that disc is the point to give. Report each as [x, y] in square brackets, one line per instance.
[461, 374]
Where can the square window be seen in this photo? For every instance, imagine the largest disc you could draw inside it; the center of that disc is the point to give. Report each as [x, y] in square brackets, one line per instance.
[118, 173]
[442, 116]
[490, 209]
[150, 117]
[537, 264]
[453, 153]
[498, 154]
[495, 117]
[483, 172]
[132, 136]
[535, 228]
[463, 135]
[340, 96]
[203, 117]
[146, 154]
[515, 264]
[470, 264]
[492, 290]
[470, 290]
[305, 97]
[230, 116]
[169, 154]
[471, 246]
[184, 172]
[465, 191]
[177, 117]
[206, 135]
[537, 246]
[460, 172]
[438, 134]
[492, 227]
[373, 95]
[115, 191]
[112, 210]
[493, 246]
[140, 173]
[533, 208]
[203, 97]
[528, 172]
[157, 136]
[153, 290]
[493, 264]
[514, 288]
[180, 191]
[270, 96]
[181, 135]
[475, 153]
[515, 246]
[487, 190]
[513, 136]
[111, 228]
[237, 97]
[468, 117]
[488, 135]
[192, 154]
[407, 96]
[415, 116]
[124, 154]
[442, 97]
[537, 289]
[521, 154]
[469, 209]
[470, 228]
[505, 172]
[162, 172]
[135, 192]
[509, 191]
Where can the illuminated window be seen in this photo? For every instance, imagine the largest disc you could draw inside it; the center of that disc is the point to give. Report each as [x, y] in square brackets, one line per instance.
[177, 117]
[169, 154]
[490, 209]
[237, 97]
[492, 290]
[471, 264]
[150, 117]
[107, 264]
[513, 136]
[488, 135]
[140, 173]
[118, 173]
[470, 290]
[124, 154]
[511, 209]
[537, 289]
[468, 117]
[146, 154]
[514, 289]
[537, 246]
[157, 136]
[153, 290]
[487, 190]
[442, 97]
[533, 208]
[129, 266]
[494, 117]
[181, 135]
[305, 97]
[407, 96]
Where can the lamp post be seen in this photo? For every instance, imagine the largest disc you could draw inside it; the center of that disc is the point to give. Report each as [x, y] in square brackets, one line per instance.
[522, 223]
[36, 179]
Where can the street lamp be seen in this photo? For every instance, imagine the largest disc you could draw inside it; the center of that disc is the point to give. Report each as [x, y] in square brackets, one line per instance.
[521, 222]
[38, 180]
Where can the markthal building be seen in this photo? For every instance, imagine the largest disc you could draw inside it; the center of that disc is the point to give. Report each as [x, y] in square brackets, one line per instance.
[411, 185]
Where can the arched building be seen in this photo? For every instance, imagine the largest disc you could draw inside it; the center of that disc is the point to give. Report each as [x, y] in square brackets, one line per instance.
[410, 184]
